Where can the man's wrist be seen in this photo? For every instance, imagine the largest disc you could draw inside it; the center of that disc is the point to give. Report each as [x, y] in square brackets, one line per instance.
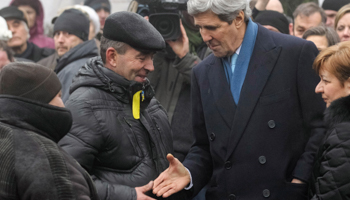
[190, 185]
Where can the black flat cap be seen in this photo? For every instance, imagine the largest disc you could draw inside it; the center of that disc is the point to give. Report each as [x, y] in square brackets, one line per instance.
[98, 4]
[12, 12]
[134, 30]
[334, 4]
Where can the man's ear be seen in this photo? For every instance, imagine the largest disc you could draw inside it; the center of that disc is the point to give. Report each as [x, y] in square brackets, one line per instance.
[239, 20]
[111, 57]
[291, 29]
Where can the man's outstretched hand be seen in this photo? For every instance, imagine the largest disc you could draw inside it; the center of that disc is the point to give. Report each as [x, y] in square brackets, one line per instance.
[172, 180]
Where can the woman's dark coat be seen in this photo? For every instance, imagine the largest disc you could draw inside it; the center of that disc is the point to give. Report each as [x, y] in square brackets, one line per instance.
[331, 178]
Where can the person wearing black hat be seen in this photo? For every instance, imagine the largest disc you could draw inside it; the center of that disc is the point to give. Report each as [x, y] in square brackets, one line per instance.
[32, 120]
[72, 47]
[273, 20]
[120, 132]
[103, 10]
[17, 24]
[331, 7]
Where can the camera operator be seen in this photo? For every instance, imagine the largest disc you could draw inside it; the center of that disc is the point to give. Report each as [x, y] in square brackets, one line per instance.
[171, 80]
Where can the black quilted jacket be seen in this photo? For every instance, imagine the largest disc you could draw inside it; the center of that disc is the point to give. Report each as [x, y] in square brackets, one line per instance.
[331, 180]
[120, 152]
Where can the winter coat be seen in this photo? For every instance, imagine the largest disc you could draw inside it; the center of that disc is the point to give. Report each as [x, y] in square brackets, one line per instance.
[37, 31]
[69, 64]
[35, 53]
[171, 80]
[32, 165]
[331, 177]
[120, 152]
[50, 61]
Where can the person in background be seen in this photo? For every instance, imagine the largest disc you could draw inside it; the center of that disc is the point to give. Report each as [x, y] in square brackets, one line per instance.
[342, 23]
[103, 10]
[72, 47]
[32, 120]
[35, 18]
[19, 43]
[322, 36]
[331, 175]
[273, 21]
[331, 7]
[306, 15]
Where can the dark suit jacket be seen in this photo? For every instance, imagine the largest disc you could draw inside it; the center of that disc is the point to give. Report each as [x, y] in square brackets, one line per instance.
[255, 149]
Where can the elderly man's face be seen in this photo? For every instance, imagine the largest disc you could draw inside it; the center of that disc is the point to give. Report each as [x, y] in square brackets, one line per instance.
[134, 65]
[65, 41]
[19, 33]
[303, 23]
[222, 38]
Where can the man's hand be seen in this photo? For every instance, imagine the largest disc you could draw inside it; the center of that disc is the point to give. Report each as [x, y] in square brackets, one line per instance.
[173, 179]
[140, 191]
[181, 45]
[261, 4]
[297, 181]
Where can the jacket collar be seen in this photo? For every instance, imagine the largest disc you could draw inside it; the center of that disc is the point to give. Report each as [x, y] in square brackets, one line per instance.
[94, 74]
[49, 121]
[338, 112]
[86, 49]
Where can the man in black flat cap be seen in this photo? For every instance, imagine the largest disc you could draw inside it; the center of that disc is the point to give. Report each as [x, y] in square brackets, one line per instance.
[72, 46]
[103, 10]
[17, 24]
[331, 7]
[120, 133]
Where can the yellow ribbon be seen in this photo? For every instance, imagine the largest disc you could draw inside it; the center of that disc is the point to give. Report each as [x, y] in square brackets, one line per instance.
[136, 104]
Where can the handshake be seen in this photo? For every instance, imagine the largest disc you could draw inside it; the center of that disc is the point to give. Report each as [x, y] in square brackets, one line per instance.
[175, 178]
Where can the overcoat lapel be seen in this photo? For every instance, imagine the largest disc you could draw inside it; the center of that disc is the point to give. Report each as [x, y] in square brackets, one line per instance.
[262, 62]
[221, 91]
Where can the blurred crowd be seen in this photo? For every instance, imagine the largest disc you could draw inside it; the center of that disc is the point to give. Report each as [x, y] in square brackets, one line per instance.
[110, 107]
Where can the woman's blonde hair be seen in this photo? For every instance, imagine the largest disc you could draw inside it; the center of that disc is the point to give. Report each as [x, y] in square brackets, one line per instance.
[336, 60]
[342, 11]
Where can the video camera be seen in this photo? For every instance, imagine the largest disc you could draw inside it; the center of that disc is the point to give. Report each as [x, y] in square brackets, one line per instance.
[164, 16]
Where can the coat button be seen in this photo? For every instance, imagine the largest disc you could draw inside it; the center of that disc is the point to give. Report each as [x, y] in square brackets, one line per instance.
[228, 165]
[212, 137]
[262, 160]
[266, 193]
[232, 197]
[271, 124]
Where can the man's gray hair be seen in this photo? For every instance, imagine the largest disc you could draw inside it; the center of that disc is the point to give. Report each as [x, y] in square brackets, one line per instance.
[227, 10]
[27, 29]
[120, 47]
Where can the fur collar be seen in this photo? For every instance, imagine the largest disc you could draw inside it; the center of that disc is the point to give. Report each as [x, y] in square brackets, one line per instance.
[338, 111]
